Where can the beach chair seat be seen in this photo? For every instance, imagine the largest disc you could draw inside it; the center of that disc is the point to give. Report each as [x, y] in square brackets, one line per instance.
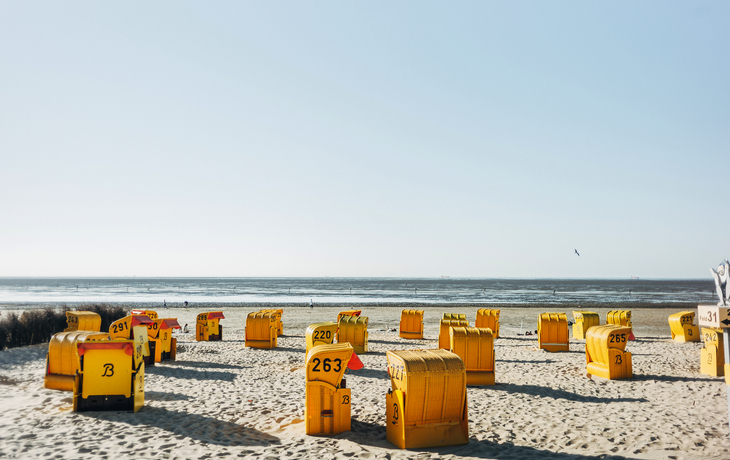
[552, 332]
[261, 330]
[605, 352]
[82, 321]
[582, 321]
[277, 313]
[682, 327]
[208, 327]
[327, 400]
[411, 324]
[444, 325]
[712, 354]
[354, 330]
[426, 405]
[488, 318]
[320, 334]
[62, 360]
[110, 377]
[475, 346]
[348, 313]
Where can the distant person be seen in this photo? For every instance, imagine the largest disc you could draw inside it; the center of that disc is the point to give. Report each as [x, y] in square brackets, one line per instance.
[185, 303]
[311, 304]
[185, 329]
[164, 303]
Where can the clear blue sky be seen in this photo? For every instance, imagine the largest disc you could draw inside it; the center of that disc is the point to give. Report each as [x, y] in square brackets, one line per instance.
[469, 139]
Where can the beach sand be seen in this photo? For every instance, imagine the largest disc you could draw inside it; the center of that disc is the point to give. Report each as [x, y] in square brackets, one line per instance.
[223, 400]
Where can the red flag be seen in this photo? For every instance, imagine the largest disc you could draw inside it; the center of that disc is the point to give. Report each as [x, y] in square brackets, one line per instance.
[354, 363]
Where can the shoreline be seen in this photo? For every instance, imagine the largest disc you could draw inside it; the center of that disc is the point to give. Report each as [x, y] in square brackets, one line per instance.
[621, 305]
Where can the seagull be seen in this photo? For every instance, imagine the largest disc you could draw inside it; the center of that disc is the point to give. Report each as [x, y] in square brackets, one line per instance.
[576, 251]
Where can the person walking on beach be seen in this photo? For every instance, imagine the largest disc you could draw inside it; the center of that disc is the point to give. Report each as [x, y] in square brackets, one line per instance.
[311, 304]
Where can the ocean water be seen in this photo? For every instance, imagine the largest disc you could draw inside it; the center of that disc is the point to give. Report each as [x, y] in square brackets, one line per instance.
[175, 291]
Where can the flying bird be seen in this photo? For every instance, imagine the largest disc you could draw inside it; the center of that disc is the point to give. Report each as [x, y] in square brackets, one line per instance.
[576, 251]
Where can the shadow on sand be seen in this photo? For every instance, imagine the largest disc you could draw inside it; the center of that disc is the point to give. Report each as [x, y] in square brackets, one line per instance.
[187, 373]
[373, 434]
[195, 365]
[672, 378]
[199, 427]
[547, 392]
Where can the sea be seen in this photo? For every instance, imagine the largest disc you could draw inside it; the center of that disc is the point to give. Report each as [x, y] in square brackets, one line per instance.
[177, 291]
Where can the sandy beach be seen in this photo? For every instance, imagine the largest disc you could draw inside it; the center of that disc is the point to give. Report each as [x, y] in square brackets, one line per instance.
[221, 399]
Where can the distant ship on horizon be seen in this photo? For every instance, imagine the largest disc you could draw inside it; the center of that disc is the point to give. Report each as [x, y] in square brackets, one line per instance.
[634, 277]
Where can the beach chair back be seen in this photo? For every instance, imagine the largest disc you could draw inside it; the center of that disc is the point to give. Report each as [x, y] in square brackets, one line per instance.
[348, 313]
[411, 324]
[261, 330]
[276, 314]
[682, 327]
[208, 327]
[111, 376]
[62, 360]
[151, 314]
[456, 316]
[488, 318]
[327, 405]
[354, 330]
[426, 406]
[605, 352]
[475, 346]
[444, 325]
[320, 334]
[582, 321]
[619, 318]
[712, 354]
[82, 321]
[552, 332]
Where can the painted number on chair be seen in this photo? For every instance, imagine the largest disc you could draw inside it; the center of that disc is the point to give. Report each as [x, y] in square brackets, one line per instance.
[396, 372]
[119, 327]
[326, 365]
[617, 338]
[322, 335]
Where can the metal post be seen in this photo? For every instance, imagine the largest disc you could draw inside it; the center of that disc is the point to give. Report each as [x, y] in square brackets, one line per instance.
[726, 346]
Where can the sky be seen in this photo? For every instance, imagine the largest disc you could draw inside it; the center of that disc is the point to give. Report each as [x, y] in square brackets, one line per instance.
[403, 139]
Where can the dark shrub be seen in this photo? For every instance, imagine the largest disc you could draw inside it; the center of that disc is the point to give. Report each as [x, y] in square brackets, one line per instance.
[38, 326]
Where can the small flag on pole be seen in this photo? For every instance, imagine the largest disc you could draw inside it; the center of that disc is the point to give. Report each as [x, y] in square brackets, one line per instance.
[354, 363]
